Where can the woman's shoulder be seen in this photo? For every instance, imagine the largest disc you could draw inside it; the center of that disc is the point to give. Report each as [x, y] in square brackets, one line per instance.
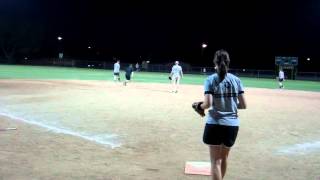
[212, 76]
[212, 79]
[234, 78]
[230, 75]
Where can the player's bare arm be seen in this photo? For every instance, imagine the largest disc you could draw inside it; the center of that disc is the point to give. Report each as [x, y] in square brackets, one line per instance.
[242, 102]
[207, 101]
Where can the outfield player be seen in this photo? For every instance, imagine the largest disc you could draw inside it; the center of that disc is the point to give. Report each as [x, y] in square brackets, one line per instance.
[116, 71]
[176, 74]
[223, 92]
[129, 74]
[137, 67]
[281, 78]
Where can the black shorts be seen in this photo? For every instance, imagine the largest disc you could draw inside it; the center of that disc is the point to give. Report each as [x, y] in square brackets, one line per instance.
[220, 135]
[116, 74]
[280, 79]
[128, 77]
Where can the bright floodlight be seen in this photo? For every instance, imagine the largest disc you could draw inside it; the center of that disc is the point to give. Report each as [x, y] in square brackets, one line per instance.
[308, 59]
[59, 38]
[89, 47]
[204, 45]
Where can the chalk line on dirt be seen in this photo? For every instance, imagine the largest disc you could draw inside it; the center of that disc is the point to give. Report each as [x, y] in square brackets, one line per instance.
[300, 149]
[108, 140]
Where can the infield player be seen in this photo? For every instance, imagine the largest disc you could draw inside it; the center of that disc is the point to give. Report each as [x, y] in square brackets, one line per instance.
[176, 74]
[224, 93]
[129, 74]
[116, 71]
[281, 78]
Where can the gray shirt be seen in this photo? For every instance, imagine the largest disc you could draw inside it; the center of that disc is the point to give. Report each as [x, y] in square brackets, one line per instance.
[225, 94]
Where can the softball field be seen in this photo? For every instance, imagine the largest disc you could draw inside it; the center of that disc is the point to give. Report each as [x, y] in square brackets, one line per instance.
[93, 128]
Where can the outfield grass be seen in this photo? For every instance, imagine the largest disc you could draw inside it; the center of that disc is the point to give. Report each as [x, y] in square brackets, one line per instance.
[44, 72]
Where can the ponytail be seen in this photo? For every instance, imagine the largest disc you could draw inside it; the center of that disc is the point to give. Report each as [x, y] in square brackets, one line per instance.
[222, 70]
[221, 61]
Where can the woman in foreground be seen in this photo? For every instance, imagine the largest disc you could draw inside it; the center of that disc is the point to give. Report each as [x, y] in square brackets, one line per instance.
[223, 92]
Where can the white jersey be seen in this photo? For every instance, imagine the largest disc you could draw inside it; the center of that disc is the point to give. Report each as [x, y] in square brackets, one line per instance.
[176, 70]
[281, 75]
[116, 68]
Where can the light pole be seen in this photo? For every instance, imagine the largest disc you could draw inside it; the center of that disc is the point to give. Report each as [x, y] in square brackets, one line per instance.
[60, 55]
[203, 47]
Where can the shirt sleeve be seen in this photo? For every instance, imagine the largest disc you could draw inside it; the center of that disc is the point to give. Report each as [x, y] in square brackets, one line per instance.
[240, 87]
[208, 89]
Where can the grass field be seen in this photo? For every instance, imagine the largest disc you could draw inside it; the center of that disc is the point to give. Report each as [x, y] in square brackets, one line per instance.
[63, 73]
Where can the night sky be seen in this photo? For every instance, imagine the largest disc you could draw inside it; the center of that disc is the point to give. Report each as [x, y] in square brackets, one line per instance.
[252, 32]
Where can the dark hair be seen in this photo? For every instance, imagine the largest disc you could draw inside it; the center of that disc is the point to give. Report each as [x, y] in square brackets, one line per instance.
[222, 61]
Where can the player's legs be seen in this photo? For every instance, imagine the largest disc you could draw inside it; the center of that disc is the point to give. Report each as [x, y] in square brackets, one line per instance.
[216, 161]
[177, 83]
[220, 140]
[280, 83]
[173, 82]
[128, 78]
[212, 136]
[219, 156]
[116, 76]
[224, 156]
[229, 137]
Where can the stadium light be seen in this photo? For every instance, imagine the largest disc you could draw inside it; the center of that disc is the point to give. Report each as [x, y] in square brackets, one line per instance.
[59, 38]
[89, 47]
[204, 45]
[308, 59]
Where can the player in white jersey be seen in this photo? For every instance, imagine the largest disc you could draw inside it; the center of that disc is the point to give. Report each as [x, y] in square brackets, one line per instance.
[176, 74]
[281, 78]
[116, 71]
[223, 92]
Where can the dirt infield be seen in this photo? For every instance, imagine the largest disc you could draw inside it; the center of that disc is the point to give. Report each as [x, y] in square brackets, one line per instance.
[103, 130]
